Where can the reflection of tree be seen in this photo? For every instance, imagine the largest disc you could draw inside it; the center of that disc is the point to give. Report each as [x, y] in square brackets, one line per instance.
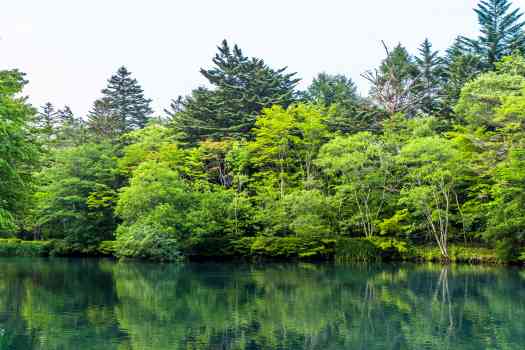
[305, 307]
[57, 310]
[445, 300]
[61, 304]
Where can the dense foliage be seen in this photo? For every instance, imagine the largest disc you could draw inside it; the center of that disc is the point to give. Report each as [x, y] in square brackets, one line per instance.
[251, 166]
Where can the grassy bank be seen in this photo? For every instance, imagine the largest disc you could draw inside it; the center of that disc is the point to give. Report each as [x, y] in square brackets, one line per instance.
[277, 248]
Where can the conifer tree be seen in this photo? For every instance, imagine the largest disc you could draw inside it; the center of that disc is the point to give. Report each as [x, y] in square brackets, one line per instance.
[501, 31]
[460, 66]
[46, 121]
[65, 116]
[430, 67]
[242, 87]
[123, 106]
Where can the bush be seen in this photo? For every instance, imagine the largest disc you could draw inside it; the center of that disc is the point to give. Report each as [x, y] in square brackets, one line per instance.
[107, 248]
[292, 247]
[65, 247]
[356, 249]
[507, 250]
[370, 249]
[17, 247]
[147, 241]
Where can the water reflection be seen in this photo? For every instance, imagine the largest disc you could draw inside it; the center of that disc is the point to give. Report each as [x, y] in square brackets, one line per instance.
[99, 304]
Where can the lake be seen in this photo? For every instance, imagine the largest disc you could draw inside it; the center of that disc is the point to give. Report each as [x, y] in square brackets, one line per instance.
[101, 304]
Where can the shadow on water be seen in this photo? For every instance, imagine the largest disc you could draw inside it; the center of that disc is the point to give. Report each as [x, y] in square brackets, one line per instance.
[100, 304]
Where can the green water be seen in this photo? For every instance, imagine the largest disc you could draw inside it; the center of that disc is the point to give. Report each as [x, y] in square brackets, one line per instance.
[99, 304]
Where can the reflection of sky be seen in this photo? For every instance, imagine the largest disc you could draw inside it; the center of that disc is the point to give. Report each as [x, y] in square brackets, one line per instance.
[69, 48]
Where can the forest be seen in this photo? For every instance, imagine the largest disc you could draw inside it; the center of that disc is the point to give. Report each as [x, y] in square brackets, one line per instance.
[429, 165]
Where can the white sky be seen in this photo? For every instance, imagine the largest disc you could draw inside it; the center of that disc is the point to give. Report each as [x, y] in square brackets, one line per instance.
[69, 48]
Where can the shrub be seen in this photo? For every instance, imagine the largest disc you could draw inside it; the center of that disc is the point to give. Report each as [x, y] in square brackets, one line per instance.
[147, 241]
[356, 249]
[370, 249]
[107, 248]
[292, 247]
[17, 247]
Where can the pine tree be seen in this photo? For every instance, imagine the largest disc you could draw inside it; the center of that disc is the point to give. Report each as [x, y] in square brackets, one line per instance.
[501, 31]
[46, 123]
[430, 67]
[242, 87]
[123, 106]
[65, 116]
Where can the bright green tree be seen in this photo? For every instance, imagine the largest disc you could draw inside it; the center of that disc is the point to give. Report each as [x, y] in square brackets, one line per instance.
[76, 195]
[360, 167]
[506, 223]
[18, 153]
[433, 170]
[481, 97]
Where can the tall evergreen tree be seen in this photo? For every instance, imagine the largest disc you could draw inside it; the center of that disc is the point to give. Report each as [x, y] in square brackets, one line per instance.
[430, 67]
[242, 87]
[123, 106]
[501, 31]
[46, 122]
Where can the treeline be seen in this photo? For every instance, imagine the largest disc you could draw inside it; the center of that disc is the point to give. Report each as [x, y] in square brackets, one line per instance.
[253, 165]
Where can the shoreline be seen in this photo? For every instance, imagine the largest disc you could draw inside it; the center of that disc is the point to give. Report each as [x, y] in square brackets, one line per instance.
[418, 254]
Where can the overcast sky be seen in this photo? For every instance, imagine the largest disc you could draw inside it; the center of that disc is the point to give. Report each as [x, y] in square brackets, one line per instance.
[69, 48]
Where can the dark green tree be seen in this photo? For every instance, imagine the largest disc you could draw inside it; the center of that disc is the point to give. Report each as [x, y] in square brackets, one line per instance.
[501, 31]
[346, 111]
[242, 87]
[122, 108]
[460, 67]
[329, 89]
[430, 67]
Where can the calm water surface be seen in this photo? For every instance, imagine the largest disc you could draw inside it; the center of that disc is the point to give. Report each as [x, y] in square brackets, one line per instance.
[100, 304]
